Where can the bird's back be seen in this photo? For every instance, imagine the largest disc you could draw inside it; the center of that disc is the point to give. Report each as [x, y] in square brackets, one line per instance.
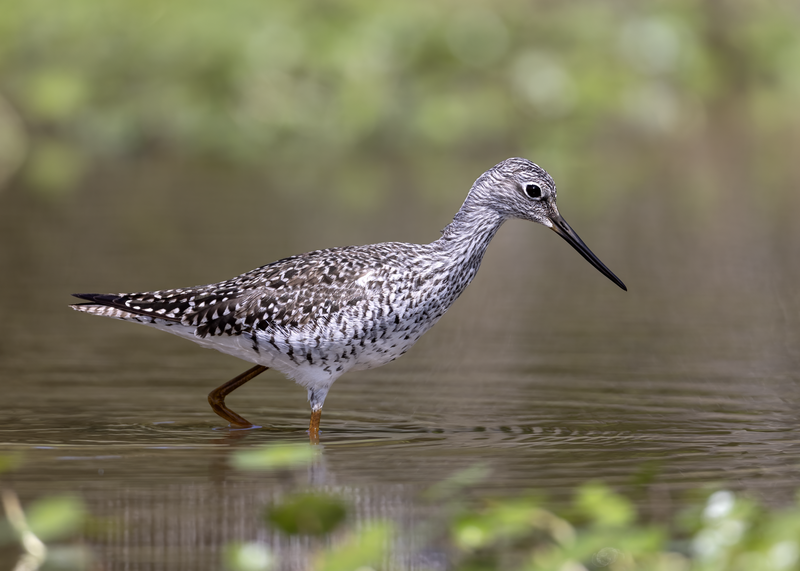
[336, 310]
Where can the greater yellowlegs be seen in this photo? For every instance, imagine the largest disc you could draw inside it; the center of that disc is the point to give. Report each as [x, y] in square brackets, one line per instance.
[318, 315]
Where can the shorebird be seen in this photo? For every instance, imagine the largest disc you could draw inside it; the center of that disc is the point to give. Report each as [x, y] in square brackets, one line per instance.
[319, 315]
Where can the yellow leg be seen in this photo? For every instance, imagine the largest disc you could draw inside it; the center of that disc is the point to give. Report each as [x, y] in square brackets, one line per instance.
[216, 398]
[313, 426]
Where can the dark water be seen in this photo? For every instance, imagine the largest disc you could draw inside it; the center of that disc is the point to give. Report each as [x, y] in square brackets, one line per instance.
[543, 371]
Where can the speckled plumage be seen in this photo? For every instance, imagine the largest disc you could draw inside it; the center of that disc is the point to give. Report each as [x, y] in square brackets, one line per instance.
[318, 315]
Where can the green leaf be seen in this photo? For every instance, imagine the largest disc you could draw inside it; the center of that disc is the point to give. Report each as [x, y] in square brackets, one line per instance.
[56, 517]
[603, 506]
[364, 549]
[275, 457]
[309, 513]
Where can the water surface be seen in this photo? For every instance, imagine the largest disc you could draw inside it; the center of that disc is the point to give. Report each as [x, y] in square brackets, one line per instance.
[543, 371]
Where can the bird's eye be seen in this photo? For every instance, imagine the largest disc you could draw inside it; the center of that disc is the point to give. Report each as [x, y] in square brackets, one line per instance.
[533, 191]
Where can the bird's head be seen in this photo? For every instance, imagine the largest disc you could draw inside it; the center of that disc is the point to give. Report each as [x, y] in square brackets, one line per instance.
[518, 188]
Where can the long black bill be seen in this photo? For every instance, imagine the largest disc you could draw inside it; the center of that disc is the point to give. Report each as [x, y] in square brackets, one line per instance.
[564, 230]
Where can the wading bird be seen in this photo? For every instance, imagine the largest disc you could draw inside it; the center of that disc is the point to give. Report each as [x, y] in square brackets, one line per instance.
[318, 315]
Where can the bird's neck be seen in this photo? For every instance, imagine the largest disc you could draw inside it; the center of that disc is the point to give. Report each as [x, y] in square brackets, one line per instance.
[466, 238]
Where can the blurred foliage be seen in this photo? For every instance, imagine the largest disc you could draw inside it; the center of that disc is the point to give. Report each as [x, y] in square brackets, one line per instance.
[56, 517]
[601, 530]
[49, 519]
[274, 457]
[277, 82]
[307, 513]
[363, 549]
[366, 548]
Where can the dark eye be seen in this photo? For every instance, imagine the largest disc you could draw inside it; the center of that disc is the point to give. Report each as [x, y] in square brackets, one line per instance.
[533, 190]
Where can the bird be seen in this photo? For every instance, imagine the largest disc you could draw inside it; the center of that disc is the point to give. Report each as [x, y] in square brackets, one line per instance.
[318, 315]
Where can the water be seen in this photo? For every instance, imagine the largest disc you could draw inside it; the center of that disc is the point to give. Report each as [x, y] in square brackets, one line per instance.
[543, 371]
